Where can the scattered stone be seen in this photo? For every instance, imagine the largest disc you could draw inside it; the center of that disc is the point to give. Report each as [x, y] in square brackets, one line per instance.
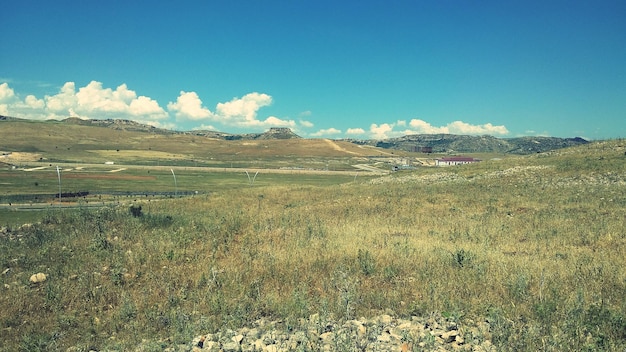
[449, 336]
[38, 278]
[231, 346]
[382, 333]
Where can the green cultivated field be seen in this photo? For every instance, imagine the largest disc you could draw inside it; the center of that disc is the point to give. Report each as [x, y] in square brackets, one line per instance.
[39, 189]
[533, 245]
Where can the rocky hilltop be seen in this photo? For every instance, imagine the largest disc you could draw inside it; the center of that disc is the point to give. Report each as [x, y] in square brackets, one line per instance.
[272, 133]
[128, 125]
[116, 124]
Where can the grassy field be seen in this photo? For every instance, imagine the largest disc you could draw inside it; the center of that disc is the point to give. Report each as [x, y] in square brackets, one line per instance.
[39, 187]
[534, 245]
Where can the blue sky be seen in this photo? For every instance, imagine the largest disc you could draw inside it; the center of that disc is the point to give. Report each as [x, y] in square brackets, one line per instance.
[332, 69]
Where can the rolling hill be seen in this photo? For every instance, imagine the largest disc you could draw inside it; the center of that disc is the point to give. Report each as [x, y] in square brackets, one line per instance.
[87, 140]
[97, 141]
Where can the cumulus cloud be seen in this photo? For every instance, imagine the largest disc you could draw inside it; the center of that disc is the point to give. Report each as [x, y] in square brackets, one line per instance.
[98, 102]
[245, 107]
[32, 102]
[204, 127]
[306, 124]
[326, 132]
[6, 93]
[417, 126]
[91, 101]
[64, 101]
[355, 131]
[189, 106]
[238, 112]
[458, 127]
[276, 122]
[381, 131]
[421, 126]
[6, 96]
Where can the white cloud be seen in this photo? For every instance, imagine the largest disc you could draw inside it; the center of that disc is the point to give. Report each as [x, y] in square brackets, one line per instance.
[239, 112]
[535, 133]
[245, 107]
[381, 131]
[147, 107]
[421, 126]
[6, 93]
[92, 101]
[457, 127]
[189, 106]
[274, 121]
[98, 102]
[355, 131]
[63, 101]
[32, 102]
[307, 124]
[417, 126]
[460, 127]
[326, 132]
[204, 127]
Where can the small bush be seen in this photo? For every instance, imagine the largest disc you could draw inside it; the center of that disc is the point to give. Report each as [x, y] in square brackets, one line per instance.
[135, 210]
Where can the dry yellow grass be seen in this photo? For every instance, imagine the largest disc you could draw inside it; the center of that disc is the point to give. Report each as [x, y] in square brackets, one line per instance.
[534, 246]
[133, 155]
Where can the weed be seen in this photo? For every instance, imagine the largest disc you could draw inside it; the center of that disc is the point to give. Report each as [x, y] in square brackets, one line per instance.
[367, 263]
[462, 258]
[38, 341]
[128, 310]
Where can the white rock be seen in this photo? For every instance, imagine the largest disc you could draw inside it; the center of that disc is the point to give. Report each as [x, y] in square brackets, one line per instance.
[38, 278]
[327, 336]
[449, 336]
[385, 319]
[258, 345]
[384, 337]
[230, 346]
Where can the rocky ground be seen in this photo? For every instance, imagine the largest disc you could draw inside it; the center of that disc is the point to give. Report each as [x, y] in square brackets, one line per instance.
[381, 333]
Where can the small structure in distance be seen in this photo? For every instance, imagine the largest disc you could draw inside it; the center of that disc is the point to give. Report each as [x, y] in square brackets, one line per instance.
[455, 160]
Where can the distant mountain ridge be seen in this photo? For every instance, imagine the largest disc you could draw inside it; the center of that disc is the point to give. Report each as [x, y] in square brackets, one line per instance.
[431, 143]
[451, 143]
